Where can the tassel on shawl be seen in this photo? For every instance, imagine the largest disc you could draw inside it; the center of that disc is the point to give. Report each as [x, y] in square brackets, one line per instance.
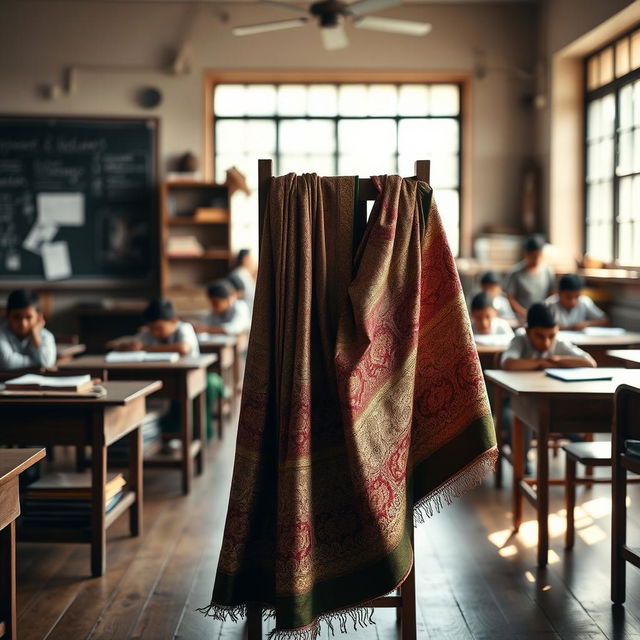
[456, 486]
[360, 617]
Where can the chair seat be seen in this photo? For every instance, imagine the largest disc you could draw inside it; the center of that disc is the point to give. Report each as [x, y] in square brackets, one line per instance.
[595, 454]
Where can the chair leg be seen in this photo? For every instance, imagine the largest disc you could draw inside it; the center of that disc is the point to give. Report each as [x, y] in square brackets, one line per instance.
[570, 501]
[618, 533]
[254, 623]
[408, 612]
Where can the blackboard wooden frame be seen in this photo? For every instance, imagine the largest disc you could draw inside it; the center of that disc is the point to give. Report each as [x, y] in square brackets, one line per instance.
[106, 283]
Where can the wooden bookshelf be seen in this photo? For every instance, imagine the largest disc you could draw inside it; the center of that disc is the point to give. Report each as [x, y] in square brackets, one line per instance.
[195, 238]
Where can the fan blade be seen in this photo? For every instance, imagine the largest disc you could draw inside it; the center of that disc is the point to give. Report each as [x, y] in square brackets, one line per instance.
[251, 29]
[334, 37]
[392, 25]
[284, 6]
[360, 7]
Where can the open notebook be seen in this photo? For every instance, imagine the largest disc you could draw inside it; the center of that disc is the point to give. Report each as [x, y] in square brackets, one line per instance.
[581, 374]
[142, 356]
[36, 382]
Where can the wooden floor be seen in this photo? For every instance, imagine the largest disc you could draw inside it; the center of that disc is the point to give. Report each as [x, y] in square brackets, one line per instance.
[474, 579]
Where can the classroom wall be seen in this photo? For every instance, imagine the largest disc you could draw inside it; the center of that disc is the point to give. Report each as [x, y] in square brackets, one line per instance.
[568, 30]
[561, 22]
[39, 39]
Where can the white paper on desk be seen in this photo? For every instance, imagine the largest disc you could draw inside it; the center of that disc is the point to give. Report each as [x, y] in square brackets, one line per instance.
[55, 260]
[34, 379]
[582, 374]
[61, 209]
[39, 234]
[142, 356]
[604, 332]
[492, 340]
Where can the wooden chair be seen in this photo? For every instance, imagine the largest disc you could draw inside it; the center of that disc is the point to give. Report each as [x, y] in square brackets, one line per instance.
[626, 425]
[589, 454]
[405, 600]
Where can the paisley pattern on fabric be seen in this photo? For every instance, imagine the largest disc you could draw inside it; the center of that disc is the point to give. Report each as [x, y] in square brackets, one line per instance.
[363, 399]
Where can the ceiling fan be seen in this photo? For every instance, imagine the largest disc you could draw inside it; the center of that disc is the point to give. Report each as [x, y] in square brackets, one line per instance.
[332, 15]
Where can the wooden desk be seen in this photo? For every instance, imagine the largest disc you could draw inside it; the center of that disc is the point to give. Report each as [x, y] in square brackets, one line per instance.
[12, 463]
[546, 404]
[182, 381]
[67, 351]
[227, 366]
[96, 422]
[630, 357]
[597, 346]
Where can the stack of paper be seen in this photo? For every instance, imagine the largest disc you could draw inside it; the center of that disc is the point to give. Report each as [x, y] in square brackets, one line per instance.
[35, 382]
[142, 356]
[492, 340]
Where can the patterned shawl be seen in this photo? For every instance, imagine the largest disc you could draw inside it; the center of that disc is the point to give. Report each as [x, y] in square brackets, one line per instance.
[363, 400]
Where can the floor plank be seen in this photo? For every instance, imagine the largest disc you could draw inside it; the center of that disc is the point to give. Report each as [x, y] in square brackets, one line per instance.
[475, 579]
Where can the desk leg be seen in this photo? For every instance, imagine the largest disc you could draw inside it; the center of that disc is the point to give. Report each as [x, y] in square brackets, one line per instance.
[542, 488]
[202, 431]
[497, 397]
[135, 480]
[98, 479]
[517, 461]
[8, 580]
[186, 429]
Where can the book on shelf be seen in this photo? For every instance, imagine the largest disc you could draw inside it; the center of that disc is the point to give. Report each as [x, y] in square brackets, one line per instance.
[37, 382]
[178, 246]
[72, 485]
[142, 356]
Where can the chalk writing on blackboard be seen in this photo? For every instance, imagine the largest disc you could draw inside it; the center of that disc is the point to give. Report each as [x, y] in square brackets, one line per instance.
[88, 183]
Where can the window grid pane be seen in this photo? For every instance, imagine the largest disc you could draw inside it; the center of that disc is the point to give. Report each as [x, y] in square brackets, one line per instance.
[344, 129]
[612, 152]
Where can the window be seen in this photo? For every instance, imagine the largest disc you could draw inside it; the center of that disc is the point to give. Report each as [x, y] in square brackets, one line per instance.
[612, 168]
[340, 129]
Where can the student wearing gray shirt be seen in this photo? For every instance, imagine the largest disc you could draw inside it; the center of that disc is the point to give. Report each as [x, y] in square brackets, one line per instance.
[228, 315]
[539, 347]
[24, 342]
[531, 280]
[573, 309]
[163, 332]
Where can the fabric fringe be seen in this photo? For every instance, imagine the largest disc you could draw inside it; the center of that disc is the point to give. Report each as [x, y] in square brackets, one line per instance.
[224, 614]
[459, 484]
[360, 617]
[456, 486]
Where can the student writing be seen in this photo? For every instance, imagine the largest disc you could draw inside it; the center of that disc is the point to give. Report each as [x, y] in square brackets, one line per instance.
[540, 348]
[573, 309]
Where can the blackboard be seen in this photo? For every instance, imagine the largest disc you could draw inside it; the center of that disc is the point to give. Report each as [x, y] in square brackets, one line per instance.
[84, 187]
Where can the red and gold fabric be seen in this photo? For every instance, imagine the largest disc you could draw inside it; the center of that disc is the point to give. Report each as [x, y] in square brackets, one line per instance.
[363, 407]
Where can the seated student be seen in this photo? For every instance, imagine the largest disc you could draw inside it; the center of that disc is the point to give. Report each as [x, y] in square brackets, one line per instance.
[246, 270]
[228, 315]
[531, 279]
[573, 309]
[24, 342]
[163, 332]
[484, 317]
[490, 282]
[237, 283]
[539, 347]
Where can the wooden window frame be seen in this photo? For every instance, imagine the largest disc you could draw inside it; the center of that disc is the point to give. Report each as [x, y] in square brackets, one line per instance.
[462, 79]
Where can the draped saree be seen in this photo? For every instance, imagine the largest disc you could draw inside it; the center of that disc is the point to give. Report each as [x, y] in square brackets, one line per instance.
[363, 405]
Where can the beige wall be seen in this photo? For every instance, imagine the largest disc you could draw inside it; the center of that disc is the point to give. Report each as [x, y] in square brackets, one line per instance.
[39, 38]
